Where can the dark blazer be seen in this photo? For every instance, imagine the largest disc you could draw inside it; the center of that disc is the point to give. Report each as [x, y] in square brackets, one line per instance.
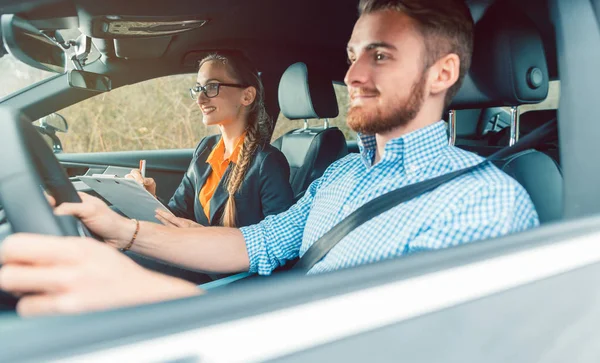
[265, 190]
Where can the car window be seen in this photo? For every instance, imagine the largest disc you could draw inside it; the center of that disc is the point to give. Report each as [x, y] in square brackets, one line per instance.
[550, 103]
[284, 124]
[15, 75]
[499, 117]
[151, 115]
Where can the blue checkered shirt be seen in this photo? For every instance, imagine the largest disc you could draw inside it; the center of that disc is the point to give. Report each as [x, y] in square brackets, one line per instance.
[481, 204]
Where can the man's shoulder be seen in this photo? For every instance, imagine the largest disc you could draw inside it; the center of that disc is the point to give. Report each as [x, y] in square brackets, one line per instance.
[487, 176]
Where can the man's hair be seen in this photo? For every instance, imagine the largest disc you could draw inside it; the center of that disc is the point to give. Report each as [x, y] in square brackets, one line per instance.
[446, 26]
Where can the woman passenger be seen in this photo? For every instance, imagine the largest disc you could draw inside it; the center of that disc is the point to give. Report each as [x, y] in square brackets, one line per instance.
[235, 178]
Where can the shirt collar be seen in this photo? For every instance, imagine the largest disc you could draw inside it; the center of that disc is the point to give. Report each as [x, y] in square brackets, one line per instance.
[218, 153]
[411, 150]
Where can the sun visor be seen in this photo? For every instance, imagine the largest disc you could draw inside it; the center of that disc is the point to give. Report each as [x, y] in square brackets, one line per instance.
[509, 64]
[141, 48]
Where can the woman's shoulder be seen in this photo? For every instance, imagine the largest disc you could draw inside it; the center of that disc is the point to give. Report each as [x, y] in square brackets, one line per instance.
[269, 152]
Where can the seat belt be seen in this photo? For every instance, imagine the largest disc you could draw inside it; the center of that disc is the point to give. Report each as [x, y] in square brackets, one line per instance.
[391, 199]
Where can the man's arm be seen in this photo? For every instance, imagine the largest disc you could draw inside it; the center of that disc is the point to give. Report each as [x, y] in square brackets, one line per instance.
[259, 248]
[210, 249]
[214, 249]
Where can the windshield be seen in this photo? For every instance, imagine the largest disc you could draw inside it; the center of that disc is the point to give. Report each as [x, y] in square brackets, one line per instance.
[15, 75]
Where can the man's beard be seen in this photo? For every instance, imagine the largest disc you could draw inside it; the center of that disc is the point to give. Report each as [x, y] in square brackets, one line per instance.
[398, 114]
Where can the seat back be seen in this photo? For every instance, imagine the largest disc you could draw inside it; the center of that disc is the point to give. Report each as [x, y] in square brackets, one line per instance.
[309, 151]
[542, 178]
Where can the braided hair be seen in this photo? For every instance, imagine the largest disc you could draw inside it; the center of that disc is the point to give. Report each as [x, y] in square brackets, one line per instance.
[258, 128]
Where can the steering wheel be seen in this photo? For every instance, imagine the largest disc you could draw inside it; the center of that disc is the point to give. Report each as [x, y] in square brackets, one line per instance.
[26, 163]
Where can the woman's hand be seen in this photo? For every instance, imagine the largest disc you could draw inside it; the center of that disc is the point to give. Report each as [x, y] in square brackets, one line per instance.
[170, 220]
[99, 218]
[148, 183]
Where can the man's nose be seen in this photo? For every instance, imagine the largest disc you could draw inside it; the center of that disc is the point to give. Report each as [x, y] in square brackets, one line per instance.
[357, 74]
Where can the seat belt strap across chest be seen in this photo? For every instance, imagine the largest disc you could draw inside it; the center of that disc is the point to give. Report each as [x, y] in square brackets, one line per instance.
[391, 199]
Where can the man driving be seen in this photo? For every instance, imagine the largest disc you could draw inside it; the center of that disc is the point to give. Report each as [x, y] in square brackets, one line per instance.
[407, 60]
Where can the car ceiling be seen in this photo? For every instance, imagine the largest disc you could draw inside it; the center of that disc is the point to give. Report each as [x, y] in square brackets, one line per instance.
[273, 33]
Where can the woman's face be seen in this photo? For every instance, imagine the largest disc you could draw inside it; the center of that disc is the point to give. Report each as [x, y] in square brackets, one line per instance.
[228, 106]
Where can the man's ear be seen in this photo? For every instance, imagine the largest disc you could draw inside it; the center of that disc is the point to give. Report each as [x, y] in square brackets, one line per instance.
[248, 96]
[444, 73]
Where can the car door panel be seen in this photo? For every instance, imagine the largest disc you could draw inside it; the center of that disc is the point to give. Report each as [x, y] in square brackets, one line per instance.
[165, 166]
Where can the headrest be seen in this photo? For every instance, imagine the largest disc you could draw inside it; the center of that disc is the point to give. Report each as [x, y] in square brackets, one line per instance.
[509, 64]
[304, 94]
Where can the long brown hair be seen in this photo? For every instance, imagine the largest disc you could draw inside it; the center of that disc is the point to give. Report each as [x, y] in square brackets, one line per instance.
[258, 128]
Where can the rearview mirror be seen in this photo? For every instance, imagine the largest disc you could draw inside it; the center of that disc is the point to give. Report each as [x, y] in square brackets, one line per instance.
[48, 126]
[90, 81]
[32, 46]
[54, 122]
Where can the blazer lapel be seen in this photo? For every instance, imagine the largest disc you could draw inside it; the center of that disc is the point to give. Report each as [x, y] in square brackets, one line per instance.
[204, 168]
[220, 196]
[203, 171]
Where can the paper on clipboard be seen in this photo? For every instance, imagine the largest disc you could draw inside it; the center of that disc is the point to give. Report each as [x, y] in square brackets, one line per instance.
[127, 195]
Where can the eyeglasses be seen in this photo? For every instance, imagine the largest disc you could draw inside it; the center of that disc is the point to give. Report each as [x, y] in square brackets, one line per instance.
[211, 89]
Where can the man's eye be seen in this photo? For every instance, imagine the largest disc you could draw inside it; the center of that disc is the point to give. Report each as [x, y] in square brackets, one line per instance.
[380, 56]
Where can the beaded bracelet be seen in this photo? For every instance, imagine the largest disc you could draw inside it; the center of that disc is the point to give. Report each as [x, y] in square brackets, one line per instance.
[137, 229]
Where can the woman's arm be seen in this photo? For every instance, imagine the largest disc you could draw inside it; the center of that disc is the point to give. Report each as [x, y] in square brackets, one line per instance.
[182, 201]
[276, 194]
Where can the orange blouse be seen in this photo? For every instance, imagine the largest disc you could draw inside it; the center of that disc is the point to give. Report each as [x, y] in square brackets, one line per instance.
[219, 165]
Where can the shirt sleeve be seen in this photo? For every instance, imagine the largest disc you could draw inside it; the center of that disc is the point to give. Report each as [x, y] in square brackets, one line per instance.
[491, 210]
[278, 238]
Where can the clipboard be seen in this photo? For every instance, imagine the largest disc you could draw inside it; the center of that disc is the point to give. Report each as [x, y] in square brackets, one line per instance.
[126, 194]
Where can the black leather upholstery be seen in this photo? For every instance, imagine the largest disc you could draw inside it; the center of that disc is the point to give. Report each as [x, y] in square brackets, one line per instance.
[542, 179]
[509, 69]
[309, 153]
[531, 120]
[304, 95]
[507, 50]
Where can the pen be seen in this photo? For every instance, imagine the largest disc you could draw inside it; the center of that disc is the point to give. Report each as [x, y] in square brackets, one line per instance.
[143, 168]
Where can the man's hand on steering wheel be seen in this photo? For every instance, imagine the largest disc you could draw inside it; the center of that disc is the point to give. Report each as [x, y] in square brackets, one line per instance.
[67, 275]
[100, 219]
[50, 271]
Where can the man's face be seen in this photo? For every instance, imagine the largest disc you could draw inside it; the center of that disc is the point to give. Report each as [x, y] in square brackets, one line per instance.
[386, 80]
